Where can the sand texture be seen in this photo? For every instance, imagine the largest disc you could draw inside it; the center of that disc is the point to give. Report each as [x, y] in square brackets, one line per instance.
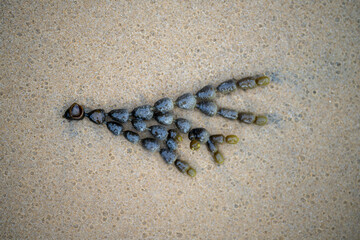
[298, 177]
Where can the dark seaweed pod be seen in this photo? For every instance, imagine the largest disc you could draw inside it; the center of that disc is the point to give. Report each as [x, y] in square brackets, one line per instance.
[97, 116]
[208, 108]
[173, 133]
[200, 134]
[206, 93]
[186, 101]
[171, 143]
[168, 155]
[164, 118]
[120, 115]
[228, 113]
[247, 117]
[164, 105]
[144, 112]
[183, 125]
[211, 146]
[131, 136]
[159, 132]
[139, 125]
[218, 138]
[184, 167]
[74, 112]
[115, 128]
[150, 144]
[227, 87]
[247, 83]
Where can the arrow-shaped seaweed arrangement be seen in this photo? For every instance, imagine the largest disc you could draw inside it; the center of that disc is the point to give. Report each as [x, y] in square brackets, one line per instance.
[164, 140]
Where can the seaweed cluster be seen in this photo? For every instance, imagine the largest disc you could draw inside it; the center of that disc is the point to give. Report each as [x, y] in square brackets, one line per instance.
[165, 138]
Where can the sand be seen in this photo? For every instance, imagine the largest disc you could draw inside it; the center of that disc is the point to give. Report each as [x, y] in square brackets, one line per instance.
[295, 178]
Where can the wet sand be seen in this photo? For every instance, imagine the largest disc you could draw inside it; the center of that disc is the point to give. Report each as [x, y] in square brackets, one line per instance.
[295, 178]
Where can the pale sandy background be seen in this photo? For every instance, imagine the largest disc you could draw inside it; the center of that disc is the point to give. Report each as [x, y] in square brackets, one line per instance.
[296, 178]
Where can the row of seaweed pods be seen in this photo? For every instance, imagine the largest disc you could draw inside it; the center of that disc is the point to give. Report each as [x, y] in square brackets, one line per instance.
[164, 140]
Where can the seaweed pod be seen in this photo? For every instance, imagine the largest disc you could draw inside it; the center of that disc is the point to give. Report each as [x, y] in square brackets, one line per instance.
[144, 112]
[252, 118]
[262, 81]
[164, 118]
[247, 117]
[168, 155]
[261, 120]
[217, 138]
[218, 158]
[211, 146]
[183, 125]
[159, 132]
[228, 113]
[208, 108]
[186, 101]
[150, 144]
[171, 144]
[164, 105]
[200, 134]
[174, 134]
[97, 116]
[74, 112]
[115, 128]
[206, 93]
[139, 124]
[131, 136]
[227, 87]
[232, 139]
[119, 115]
[185, 168]
[247, 83]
